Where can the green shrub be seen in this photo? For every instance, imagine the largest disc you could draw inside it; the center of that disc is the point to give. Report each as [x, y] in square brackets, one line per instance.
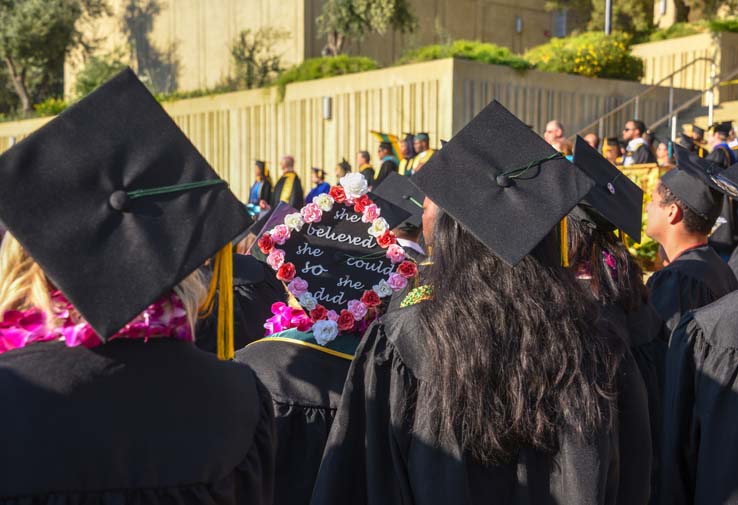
[724, 25]
[591, 54]
[467, 50]
[677, 30]
[329, 66]
[50, 107]
[97, 71]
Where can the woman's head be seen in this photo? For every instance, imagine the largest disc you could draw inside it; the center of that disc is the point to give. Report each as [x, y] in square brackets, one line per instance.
[318, 175]
[342, 169]
[24, 285]
[514, 349]
[260, 170]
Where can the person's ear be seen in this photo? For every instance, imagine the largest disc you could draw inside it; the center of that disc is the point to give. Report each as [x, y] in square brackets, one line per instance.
[675, 213]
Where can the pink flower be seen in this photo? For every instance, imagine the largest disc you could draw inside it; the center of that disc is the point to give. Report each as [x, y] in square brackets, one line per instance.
[357, 309]
[298, 287]
[311, 213]
[371, 212]
[397, 282]
[275, 258]
[395, 253]
[280, 234]
[332, 315]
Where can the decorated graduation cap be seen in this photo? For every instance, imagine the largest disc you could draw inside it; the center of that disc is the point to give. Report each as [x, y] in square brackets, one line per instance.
[117, 206]
[398, 190]
[692, 183]
[615, 201]
[338, 258]
[511, 188]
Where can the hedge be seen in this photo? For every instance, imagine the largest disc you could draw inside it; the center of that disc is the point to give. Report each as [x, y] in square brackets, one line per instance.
[318, 68]
[467, 50]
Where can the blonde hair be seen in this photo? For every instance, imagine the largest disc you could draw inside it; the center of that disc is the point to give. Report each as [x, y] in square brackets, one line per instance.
[23, 284]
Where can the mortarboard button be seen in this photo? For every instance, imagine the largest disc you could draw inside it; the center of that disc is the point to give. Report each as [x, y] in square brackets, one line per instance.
[611, 188]
[119, 200]
[503, 181]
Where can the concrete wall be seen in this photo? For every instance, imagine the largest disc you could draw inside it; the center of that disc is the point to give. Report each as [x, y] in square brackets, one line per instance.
[234, 129]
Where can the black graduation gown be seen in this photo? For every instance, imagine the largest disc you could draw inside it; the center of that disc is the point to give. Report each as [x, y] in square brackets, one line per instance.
[380, 452]
[255, 289]
[388, 166]
[723, 239]
[265, 193]
[700, 433]
[721, 155]
[642, 154]
[733, 262]
[696, 278]
[296, 197]
[368, 174]
[305, 382]
[132, 422]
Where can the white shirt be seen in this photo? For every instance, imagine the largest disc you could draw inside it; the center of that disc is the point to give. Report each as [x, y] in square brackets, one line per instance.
[409, 244]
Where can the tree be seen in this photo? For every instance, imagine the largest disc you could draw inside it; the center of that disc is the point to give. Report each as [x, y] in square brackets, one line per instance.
[342, 21]
[35, 37]
[97, 71]
[629, 16]
[254, 60]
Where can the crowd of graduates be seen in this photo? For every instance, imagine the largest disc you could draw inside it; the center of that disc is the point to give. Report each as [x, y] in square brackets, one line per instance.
[389, 339]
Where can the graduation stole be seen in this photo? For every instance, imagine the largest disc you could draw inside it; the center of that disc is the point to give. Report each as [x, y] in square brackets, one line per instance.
[289, 183]
[368, 165]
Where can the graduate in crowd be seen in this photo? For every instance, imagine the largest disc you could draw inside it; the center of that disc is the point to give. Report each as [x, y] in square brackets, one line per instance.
[721, 154]
[408, 155]
[288, 188]
[604, 266]
[663, 158]
[701, 401]
[638, 150]
[304, 360]
[681, 214]
[319, 185]
[363, 161]
[110, 212]
[342, 169]
[611, 150]
[388, 165]
[497, 383]
[261, 191]
[421, 144]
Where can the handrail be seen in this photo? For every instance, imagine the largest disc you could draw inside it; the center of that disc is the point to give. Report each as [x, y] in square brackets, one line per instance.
[600, 120]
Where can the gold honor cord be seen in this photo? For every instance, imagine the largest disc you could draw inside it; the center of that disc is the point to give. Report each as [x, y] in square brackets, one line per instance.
[564, 242]
[222, 284]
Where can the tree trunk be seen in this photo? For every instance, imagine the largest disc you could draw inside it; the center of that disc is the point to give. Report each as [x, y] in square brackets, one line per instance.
[19, 85]
[682, 11]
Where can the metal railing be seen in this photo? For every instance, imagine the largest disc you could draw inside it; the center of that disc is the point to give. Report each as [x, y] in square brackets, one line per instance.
[635, 101]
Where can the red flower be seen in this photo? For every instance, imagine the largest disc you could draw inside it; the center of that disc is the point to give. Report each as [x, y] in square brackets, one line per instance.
[318, 313]
[265, 243]
[338, 194]
[407, 269]
[345, 321]
[386, 239]
[362, 203]
[370, 298]
[286, 272]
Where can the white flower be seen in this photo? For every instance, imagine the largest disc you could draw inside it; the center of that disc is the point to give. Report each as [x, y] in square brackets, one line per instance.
[294, 221]
[378, 227]
[308, 301]
[324, 331]
[324, 201]
[383, 289]
[354, 185]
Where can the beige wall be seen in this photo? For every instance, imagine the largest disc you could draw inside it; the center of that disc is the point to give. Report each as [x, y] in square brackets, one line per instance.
[232, 130]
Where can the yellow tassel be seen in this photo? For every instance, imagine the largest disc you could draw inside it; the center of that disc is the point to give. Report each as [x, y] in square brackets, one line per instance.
[564, 242]
[222, 284]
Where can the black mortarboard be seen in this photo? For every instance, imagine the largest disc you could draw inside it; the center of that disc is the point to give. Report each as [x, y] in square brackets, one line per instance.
[699, 131]
[691, 182]
[686, 141]
[614, 197]
[510, 188]
[386, 145]
[398, 190]
[115, 204]
[723, 127]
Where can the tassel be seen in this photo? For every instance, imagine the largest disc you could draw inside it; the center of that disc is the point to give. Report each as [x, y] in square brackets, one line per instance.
[222, 285]
[564, 242]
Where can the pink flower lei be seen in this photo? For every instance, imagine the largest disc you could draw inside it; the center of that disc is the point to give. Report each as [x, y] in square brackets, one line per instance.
[166, 317]
[352, 193]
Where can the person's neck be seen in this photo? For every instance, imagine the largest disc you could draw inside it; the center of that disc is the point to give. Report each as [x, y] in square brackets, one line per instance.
[678, 243]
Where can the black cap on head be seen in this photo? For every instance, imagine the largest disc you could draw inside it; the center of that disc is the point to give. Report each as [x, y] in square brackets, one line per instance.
[699, 131]
[386, 146]
[614, 197]
[691, 182]
[510, 188]
[96, 197]
[398, 190]
[686, 141]
[723, 127]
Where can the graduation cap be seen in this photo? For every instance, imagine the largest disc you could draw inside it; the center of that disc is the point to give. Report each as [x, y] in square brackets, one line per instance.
[686, 141]
[699, 131]
[615, 201]
[723, 127]
[422, 136]
[116, 205]
[510, 187]
[398, 190]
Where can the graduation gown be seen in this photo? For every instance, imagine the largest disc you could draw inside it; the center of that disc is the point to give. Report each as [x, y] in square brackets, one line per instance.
[132, 422]
[389, 165]
[368, 172]
[255, 289]
[733, 262]
[696, 278]
[722, 155]
[700, 434]
[640, 154]
[723, 239]
[305, 381]
[289, 190]
[380, 452]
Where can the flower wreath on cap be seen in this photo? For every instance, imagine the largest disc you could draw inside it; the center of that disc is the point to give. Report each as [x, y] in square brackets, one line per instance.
[359, 314]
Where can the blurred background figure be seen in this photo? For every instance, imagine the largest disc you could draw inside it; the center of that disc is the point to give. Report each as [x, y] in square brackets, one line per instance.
[261, 192]
[319, 184]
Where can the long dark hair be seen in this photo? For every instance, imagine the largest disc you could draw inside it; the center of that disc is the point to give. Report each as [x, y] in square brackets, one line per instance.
[515, 353]
[587, 248]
